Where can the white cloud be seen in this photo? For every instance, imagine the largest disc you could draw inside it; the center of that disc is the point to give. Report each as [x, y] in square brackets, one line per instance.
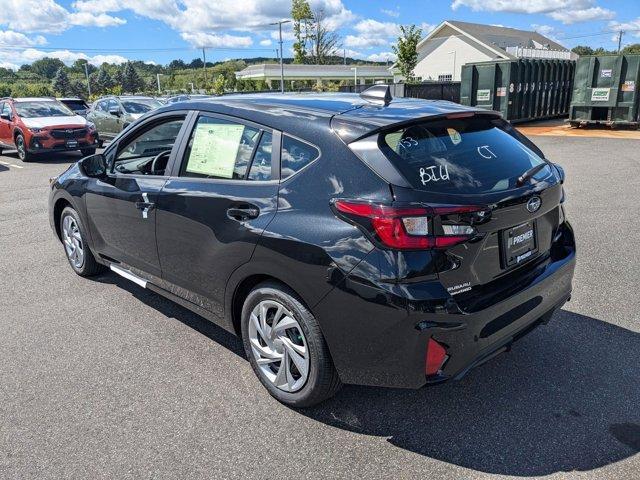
[47, 16]
[30, 55]
[382, 57]
[372, 33]
[10, 38]
[546, 30]
[266, 42]
[583, 15]
[631, 28]
[86, 19]
[565, 11]
[391, 13]
[200, 39]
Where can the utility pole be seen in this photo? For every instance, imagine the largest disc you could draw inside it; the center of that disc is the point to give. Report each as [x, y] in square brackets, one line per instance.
[620, 33]
[158, 75]
[86, 72]
[344, 54]
[281, 60]
[204, 66]
[355, 78]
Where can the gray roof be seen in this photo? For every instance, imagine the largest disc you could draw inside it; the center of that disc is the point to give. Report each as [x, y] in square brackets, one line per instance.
[503, 37]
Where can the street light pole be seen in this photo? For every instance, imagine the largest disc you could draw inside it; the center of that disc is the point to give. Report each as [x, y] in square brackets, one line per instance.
[86, 72]
[158, 75]
[355, 77]
[281, 60]
[453, 73]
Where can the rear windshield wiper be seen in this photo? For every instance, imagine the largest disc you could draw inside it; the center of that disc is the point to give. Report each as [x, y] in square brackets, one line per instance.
[529, 173]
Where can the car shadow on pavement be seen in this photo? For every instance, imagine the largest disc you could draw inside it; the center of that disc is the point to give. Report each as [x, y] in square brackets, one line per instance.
[52, 158]
[566, 398]
[173, 310]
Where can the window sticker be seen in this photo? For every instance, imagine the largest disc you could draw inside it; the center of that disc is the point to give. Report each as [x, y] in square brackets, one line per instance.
[483, 95]
[454, 135]
[214, 149]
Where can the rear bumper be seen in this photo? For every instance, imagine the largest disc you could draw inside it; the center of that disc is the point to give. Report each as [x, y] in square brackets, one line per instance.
[377, 334]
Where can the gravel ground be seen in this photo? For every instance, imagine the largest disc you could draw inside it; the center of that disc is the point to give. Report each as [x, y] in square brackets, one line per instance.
[102, 379]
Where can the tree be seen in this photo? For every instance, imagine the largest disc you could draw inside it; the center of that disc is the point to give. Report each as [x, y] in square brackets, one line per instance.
[131, 80]
[103, 80]
[61, 84]
[406, 50]
[582, 50]
[196, 63]
[177, 65]
[47, 67]
[218, 85]
[118, 79]
[324, 41]
[79, 88]
[632, 49]
[302, 18]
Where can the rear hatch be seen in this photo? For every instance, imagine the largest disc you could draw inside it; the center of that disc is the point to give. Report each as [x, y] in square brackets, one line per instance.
[494, 226]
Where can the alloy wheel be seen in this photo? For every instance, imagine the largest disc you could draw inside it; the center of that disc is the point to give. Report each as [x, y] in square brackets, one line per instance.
[279, 346]
[20, 147]
[73, 244]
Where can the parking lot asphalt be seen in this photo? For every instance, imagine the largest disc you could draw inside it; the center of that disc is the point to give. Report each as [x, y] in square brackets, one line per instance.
[102, 379]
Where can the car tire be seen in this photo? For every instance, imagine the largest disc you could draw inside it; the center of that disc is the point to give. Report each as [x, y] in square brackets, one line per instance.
[303, 337]
[86, 152]
[21, 147]
[73, 237]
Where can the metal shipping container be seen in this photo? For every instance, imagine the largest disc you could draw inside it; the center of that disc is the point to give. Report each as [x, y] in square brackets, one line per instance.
[525, 89]
[605, 91]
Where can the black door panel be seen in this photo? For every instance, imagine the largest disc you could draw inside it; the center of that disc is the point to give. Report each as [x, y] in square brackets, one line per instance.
[206, 229]
[120, 229]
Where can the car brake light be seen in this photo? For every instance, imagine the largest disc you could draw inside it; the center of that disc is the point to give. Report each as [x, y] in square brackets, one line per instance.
[434, 358]
[410, 227]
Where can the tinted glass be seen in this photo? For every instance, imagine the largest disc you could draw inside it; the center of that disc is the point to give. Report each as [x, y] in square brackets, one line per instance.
[140, 105]
[75, 104]
[296, 154]
[472, 155]
[219, 149]
[261, 166]
[138, 153]
[44, 108]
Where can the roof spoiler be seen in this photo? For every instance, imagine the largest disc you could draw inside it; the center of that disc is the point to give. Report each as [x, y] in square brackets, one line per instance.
[378, 95]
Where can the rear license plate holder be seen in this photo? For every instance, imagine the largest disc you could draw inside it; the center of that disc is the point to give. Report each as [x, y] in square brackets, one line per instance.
[519, 244]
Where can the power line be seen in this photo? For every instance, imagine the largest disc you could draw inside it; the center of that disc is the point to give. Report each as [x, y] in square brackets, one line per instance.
[607, 32]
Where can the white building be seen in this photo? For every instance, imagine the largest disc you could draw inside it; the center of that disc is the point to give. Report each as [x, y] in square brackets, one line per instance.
[270, 73]
[451, 44]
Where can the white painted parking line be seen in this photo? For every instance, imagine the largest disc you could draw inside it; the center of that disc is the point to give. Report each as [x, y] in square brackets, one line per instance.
[10, 164]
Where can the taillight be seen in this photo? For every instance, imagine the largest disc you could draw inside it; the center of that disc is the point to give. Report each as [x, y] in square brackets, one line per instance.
[435, 357]
[412, 227]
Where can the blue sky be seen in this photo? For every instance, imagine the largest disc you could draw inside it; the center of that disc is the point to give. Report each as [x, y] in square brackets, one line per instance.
[161, 30]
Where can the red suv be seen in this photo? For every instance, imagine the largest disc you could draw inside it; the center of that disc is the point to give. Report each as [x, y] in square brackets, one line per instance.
[43, 125]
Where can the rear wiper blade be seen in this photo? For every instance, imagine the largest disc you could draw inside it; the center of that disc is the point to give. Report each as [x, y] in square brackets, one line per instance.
[529, 173]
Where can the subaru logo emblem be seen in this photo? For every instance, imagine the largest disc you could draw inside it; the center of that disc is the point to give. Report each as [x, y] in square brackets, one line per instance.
[533, 205]
[69, 131]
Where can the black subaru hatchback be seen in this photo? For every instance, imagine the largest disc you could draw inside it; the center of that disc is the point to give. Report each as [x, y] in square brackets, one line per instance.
[346, 239]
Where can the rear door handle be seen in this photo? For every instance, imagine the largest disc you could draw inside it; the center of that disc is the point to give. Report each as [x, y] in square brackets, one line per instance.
[243, 213]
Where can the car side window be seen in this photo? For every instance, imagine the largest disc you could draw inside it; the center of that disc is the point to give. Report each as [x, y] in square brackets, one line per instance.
[220, 149]
[6, 109]
[261, 165]
[101, 106]
[148, 152]
[296, 154]
[112, 104]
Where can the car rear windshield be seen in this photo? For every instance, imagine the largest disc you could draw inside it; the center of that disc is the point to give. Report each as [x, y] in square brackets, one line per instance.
[140, 105]
[45, 108]
[467, 155]
[75, 104]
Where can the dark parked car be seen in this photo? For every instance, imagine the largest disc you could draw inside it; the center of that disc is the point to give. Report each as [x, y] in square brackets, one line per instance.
[346, 239]
[76, 105]
[113, 114]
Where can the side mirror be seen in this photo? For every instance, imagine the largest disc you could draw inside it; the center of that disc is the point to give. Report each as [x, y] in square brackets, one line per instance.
[94, 166]
[560, 171]
[5, 116]
[115, 111]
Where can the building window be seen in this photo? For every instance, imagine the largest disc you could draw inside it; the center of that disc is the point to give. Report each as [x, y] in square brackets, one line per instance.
[447, 77]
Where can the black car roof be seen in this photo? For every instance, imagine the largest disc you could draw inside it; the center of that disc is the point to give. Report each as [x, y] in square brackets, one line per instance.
[291, 112]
